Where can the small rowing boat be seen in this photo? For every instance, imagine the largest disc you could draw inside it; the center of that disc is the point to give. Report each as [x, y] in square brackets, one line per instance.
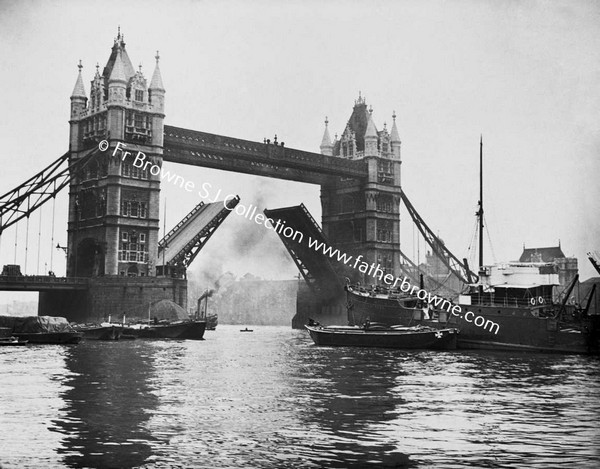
[11, 341]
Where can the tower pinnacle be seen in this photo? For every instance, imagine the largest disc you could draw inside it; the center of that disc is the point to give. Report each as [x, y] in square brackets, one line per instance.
[79, 90]
[395, 139]
[394, 136]
[156, 82]
[118, 71]
[326, 145]
[371, 129]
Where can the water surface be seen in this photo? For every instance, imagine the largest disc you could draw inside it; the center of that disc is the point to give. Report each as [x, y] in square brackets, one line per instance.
[271, 398]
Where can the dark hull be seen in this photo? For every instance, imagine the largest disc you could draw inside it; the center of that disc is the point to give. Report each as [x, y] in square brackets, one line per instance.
[379, 308]
[101, 333]
[443, 339]
[50, 337]
[193, 330]
[519, 328]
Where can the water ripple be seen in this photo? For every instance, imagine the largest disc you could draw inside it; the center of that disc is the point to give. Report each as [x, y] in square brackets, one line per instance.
[273, 399]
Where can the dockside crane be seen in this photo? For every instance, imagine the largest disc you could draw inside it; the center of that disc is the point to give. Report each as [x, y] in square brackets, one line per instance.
[593, 257]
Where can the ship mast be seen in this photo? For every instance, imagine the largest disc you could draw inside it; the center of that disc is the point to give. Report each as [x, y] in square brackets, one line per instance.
[480, 211]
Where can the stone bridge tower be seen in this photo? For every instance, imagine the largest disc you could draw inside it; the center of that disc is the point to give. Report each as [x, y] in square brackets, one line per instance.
[362, 217]
[114, 206]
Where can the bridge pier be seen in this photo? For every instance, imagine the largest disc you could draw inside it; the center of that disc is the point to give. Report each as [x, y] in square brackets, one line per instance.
[73, 305]
[113, 296]
[310, 306]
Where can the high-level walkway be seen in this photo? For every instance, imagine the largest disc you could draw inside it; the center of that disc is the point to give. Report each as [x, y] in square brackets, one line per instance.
[197, 148]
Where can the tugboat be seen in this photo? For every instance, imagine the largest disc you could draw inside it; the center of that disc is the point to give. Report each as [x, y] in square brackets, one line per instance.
[212, 320]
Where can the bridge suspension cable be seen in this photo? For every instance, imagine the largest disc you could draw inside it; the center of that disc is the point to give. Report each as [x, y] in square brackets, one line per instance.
[16, 242]
[26, 245]
[412, 271]
[458, 268]
[37, 270]
[24, 199]
[52, 236]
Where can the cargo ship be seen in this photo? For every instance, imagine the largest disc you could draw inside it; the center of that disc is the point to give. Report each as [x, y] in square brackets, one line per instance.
[510, 307]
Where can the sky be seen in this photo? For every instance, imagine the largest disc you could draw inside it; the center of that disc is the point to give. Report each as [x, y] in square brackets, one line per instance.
[524, 74]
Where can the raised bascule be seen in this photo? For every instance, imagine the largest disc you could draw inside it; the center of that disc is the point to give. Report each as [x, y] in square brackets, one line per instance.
[115, 260]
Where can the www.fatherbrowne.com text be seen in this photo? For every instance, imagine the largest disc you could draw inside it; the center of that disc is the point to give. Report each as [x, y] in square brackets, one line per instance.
[140, 161]
[376, 271]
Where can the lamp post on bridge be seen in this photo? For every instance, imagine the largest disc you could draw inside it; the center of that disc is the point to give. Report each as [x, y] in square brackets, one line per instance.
[66, 251]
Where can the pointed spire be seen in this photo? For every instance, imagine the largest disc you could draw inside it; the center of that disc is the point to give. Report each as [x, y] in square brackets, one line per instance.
[118, 71]
[394, 136]
[326, 138]
[371, 129]
[156, 82]
[326, 145]
[371, 136]
[79, 90]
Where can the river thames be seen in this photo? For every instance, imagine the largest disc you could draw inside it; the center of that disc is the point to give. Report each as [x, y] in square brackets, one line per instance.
[272, 399]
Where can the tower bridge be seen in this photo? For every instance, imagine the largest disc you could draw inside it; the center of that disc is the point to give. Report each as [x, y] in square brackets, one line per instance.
[113, 220]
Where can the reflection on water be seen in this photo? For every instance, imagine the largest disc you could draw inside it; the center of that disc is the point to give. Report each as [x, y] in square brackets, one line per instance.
[108, 398]
[346, 400]
[273, 399]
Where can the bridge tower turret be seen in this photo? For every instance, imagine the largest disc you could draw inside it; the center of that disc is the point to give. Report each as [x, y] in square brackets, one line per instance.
[78, 106]
[326, 145]
[395, 141]
[363, 217]
[114, 203]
